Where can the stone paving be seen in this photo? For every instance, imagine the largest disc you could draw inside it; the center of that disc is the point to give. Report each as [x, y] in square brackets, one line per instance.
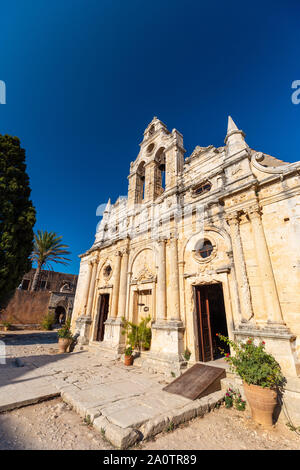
[126, 404]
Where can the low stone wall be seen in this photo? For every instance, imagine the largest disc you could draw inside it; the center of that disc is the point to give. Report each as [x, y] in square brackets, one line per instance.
[26, 308]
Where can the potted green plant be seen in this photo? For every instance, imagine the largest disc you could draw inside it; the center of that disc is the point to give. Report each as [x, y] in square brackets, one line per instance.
[144, 334]
[128, 357]
[261, 375]
[65, 337]
[6, 325]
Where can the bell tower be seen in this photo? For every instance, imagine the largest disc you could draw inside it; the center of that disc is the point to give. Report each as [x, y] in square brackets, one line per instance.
[158, 164]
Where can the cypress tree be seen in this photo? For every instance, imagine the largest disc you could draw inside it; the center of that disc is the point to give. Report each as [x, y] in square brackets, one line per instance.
[17, 217]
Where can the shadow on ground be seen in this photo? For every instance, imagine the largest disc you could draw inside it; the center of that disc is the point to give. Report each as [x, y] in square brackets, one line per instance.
[27, 339]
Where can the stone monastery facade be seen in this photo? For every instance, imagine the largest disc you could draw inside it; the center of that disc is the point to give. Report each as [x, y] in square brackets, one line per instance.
[206, 244]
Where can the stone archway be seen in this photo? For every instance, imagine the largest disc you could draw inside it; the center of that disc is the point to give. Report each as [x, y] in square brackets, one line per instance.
[60, 315]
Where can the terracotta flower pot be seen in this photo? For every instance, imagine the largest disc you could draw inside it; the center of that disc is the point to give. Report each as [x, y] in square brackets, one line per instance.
[63, 344]
[262, 402]
[128, 360]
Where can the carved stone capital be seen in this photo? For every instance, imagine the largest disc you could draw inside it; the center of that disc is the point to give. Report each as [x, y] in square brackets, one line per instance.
[254, 212]
[232, 218]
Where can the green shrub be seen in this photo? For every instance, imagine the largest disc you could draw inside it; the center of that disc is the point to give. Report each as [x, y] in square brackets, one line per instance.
[234, 398]
[65, 331]
[138, 336]
[144, 333]
[187, 354]
[128, 351]
[48, 321]
[253, 364]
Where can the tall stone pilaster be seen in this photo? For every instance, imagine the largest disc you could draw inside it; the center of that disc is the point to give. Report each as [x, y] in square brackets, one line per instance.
[173, 310]
[166, 352]
[116, 285]
[240, 268]
[91, 289]
[123, 284]
[87, 287]
[83, 322]
[274, 314]
[161, 301]
[113, 338]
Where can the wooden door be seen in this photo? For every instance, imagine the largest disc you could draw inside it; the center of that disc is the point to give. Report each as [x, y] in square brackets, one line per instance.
[144, 306]
[103, 313]
[204, 326]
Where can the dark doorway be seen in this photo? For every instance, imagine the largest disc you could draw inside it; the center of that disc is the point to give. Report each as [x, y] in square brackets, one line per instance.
[60, 316]
[103, 312]
[210, 320]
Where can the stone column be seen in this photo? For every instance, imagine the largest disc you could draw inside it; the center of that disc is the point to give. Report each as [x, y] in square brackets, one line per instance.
[161, 282]
[234, 288]
[87, 287]
[272, 303]
[83, 322]
[181, 289]
[123, 284]
[173, 310]
[240, 267]
[116, 285]
[91, 289]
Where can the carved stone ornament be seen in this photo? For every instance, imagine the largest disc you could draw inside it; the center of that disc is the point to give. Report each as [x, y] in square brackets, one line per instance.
[144, 275]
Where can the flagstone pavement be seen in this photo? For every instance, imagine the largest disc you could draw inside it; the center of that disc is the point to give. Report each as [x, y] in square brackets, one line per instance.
[126, 404]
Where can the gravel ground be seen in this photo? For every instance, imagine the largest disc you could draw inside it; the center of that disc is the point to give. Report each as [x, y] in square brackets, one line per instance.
[54, 425]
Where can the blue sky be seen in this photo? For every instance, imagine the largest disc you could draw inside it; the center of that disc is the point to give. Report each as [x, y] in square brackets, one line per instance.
[85, 77]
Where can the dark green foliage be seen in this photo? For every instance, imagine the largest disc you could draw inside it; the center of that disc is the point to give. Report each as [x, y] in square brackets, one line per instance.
[48, 321]
[253, 364]
[17, 217]
[65, 331]
[138, 336]
[187, 354]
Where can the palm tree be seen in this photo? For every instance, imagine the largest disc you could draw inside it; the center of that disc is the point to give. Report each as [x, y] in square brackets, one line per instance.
[47, 249]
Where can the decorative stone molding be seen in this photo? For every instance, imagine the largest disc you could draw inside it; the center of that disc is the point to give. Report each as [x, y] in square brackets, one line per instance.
[144, 275]
[257, 157]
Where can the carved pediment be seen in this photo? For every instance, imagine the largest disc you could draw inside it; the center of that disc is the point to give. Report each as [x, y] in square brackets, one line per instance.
[144, 275]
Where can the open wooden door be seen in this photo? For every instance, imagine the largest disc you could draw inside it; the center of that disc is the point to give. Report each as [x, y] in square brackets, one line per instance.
[103, 313]
[204, 328]
[210, 320]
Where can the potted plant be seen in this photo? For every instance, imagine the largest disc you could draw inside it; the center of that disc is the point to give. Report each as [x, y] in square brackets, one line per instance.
[144, 334]
[128, 357]
[6, 325]
[65, 337]
[261, 375]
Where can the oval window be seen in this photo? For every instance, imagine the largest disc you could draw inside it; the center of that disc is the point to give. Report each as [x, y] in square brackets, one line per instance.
[206, 249]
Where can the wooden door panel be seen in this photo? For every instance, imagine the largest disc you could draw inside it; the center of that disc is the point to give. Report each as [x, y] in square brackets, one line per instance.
[205, 346]
[103, 313]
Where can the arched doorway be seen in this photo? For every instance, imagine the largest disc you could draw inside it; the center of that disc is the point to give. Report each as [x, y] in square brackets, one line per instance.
[60, 315]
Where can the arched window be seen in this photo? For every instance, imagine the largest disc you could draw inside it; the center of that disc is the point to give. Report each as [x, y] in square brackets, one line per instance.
[140, 183]
[160, 175]
[152, 130]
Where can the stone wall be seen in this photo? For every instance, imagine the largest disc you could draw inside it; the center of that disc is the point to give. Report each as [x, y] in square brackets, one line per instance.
[26, 308]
